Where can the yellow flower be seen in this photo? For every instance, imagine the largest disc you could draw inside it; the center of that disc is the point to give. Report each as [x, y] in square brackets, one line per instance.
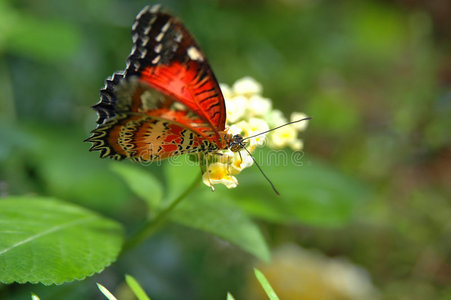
[218, 173]
[247, 86]
[240, 161]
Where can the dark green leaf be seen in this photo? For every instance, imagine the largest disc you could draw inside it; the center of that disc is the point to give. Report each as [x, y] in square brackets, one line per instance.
[310, 192]
[216, 214]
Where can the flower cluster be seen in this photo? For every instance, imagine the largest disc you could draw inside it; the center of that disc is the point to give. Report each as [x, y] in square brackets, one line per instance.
[248, 114]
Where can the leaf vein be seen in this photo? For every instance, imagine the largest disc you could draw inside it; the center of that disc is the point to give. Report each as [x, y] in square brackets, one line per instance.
[46, 232]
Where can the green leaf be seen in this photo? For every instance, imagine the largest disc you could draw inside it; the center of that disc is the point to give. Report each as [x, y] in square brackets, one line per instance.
[230, 297]
[136, 288]
[52, 242]
[211, 212]
[265, 284]
[142, 183]
[311, 192]
[106, 292]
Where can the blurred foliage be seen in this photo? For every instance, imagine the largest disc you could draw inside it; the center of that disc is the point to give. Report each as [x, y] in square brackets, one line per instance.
[373, 186]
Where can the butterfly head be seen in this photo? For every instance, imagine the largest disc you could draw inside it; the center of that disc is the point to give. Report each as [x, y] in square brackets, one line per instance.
[236, 143]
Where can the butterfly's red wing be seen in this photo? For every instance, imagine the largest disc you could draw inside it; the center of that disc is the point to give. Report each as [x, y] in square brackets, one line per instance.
[166, 57]
[167, 80]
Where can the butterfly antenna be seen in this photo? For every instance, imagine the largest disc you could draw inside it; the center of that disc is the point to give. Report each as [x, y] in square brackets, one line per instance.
[263, 173]
[292, 122]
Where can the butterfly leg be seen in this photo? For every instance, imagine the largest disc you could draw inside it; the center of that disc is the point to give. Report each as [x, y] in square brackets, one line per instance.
[208, 174]
[201, 157]
[241, 158]
[229, 171]
[199, 160]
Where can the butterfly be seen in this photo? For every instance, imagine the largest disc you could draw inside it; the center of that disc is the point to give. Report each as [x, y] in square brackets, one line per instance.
[167, 101]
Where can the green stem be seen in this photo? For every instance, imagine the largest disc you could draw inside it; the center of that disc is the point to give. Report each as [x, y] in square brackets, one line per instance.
[152, 225]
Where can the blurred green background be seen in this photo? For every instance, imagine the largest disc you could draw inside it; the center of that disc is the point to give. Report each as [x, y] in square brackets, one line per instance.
[375, 75]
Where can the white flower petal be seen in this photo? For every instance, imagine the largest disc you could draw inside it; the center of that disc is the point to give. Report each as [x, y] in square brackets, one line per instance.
[235, 129]
[257, 126]
[283, 137]
[247, 86]
[226, 91]
[300, 126]
[297, 145]
[236, 108]
[259, 106]
[276, 118]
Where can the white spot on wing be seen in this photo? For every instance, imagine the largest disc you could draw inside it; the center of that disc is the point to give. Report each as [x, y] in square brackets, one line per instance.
[178, 106]
[166, 27]
[133, 50]
[143, 11]
[156, 60]
[158, 48]
[194, 54]
[159, 37]
[154, 8]
[145, 40]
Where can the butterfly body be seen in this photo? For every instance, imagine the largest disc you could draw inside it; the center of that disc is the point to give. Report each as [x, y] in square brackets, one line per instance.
[167, 102]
